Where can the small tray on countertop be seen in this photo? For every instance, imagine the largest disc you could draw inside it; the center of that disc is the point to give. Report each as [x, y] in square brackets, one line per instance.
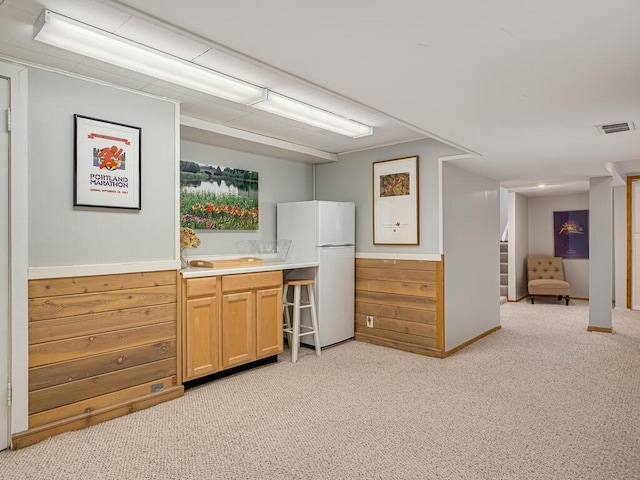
[236, 262]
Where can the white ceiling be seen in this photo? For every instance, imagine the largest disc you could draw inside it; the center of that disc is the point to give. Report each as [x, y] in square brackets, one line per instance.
[521, 84]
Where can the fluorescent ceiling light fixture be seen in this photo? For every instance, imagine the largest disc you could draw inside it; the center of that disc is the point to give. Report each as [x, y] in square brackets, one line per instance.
[69, 34]
[63, 32]
[302, 112]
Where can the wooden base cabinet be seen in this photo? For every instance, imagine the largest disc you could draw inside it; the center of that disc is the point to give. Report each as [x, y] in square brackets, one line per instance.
[201, 328]
[251, 317]
[238, 325]
[230, 320]
[269, 322]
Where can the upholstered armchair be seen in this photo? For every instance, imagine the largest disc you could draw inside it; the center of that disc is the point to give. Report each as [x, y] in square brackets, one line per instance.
[546, 277]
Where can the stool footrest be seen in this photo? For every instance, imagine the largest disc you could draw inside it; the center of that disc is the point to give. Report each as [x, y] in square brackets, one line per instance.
[290, 330]
[302, 305]
[302, 334]
[306, 333]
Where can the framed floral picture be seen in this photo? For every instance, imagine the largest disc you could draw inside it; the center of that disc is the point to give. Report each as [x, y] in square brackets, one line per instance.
[395, 202]
[107, 164]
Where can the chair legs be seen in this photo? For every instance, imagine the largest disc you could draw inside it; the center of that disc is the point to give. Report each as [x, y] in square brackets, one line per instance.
[566, 298]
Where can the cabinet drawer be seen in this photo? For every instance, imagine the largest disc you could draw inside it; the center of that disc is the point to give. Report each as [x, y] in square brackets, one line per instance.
[251, 281]
[202, 286]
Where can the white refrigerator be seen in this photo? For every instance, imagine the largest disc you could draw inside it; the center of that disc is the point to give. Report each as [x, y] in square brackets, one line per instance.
[324, 231]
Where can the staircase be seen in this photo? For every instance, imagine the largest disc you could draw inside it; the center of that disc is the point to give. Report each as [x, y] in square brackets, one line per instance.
[504, 272]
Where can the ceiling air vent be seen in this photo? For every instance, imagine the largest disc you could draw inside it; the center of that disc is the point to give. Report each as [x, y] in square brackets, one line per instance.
[616, 127]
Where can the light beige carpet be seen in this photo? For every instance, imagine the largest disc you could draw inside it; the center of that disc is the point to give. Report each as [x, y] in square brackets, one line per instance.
[540, 399]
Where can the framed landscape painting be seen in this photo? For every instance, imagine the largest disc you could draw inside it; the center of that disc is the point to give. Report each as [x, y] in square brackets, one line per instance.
[395, 202]
[218, 198]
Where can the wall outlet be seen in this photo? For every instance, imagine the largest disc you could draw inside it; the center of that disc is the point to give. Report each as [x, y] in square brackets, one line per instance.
[369, 321]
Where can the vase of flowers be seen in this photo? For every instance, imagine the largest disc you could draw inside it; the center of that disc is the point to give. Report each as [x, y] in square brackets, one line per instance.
[188, 239]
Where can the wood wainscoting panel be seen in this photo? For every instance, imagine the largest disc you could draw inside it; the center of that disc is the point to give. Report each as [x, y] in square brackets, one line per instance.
[70, 371]
[59, 306]
[405, 299]
[53, 397]
[99, 283]
[70, 327]
[99, 347]
[81, 347]
[37, 434]
[100, 402]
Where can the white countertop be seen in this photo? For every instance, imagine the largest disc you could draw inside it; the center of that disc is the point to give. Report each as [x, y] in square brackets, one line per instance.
[195, 272]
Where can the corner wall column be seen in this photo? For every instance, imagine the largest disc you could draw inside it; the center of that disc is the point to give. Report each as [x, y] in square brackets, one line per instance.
[600, 254]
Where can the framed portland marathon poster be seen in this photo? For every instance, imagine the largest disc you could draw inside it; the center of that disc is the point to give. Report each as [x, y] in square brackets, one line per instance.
[107, 164]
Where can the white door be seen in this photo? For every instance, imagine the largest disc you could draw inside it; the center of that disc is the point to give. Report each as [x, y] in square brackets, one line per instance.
[4, 264]
[635, 244]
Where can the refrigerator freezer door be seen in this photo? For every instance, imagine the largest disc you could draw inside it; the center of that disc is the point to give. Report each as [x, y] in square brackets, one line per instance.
[334, 295]
[336, 223]
[297, 221]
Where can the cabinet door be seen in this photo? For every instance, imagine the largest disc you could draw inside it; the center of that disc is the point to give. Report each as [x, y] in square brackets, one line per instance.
[238, 331]
[201, 337]
[268, 322]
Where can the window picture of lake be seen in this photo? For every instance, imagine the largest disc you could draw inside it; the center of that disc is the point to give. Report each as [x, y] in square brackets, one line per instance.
[218, 198]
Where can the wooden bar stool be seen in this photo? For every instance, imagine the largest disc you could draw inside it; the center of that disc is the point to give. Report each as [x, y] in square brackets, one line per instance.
[295, 330]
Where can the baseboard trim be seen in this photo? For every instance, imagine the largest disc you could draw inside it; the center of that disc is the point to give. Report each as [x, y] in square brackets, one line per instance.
[518, 300]
[398, 345]
[591, 328]
[469, 342]
[35, 435]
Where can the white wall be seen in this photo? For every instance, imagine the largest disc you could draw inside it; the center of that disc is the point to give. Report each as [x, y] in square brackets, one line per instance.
[541, 235]
[504, 209]
[279, 181]
[620, 245]
[518, 245]
[18, 237]
[5, 264]
[61, 234]
[350, 179]
[471, 224]
[600, 249]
